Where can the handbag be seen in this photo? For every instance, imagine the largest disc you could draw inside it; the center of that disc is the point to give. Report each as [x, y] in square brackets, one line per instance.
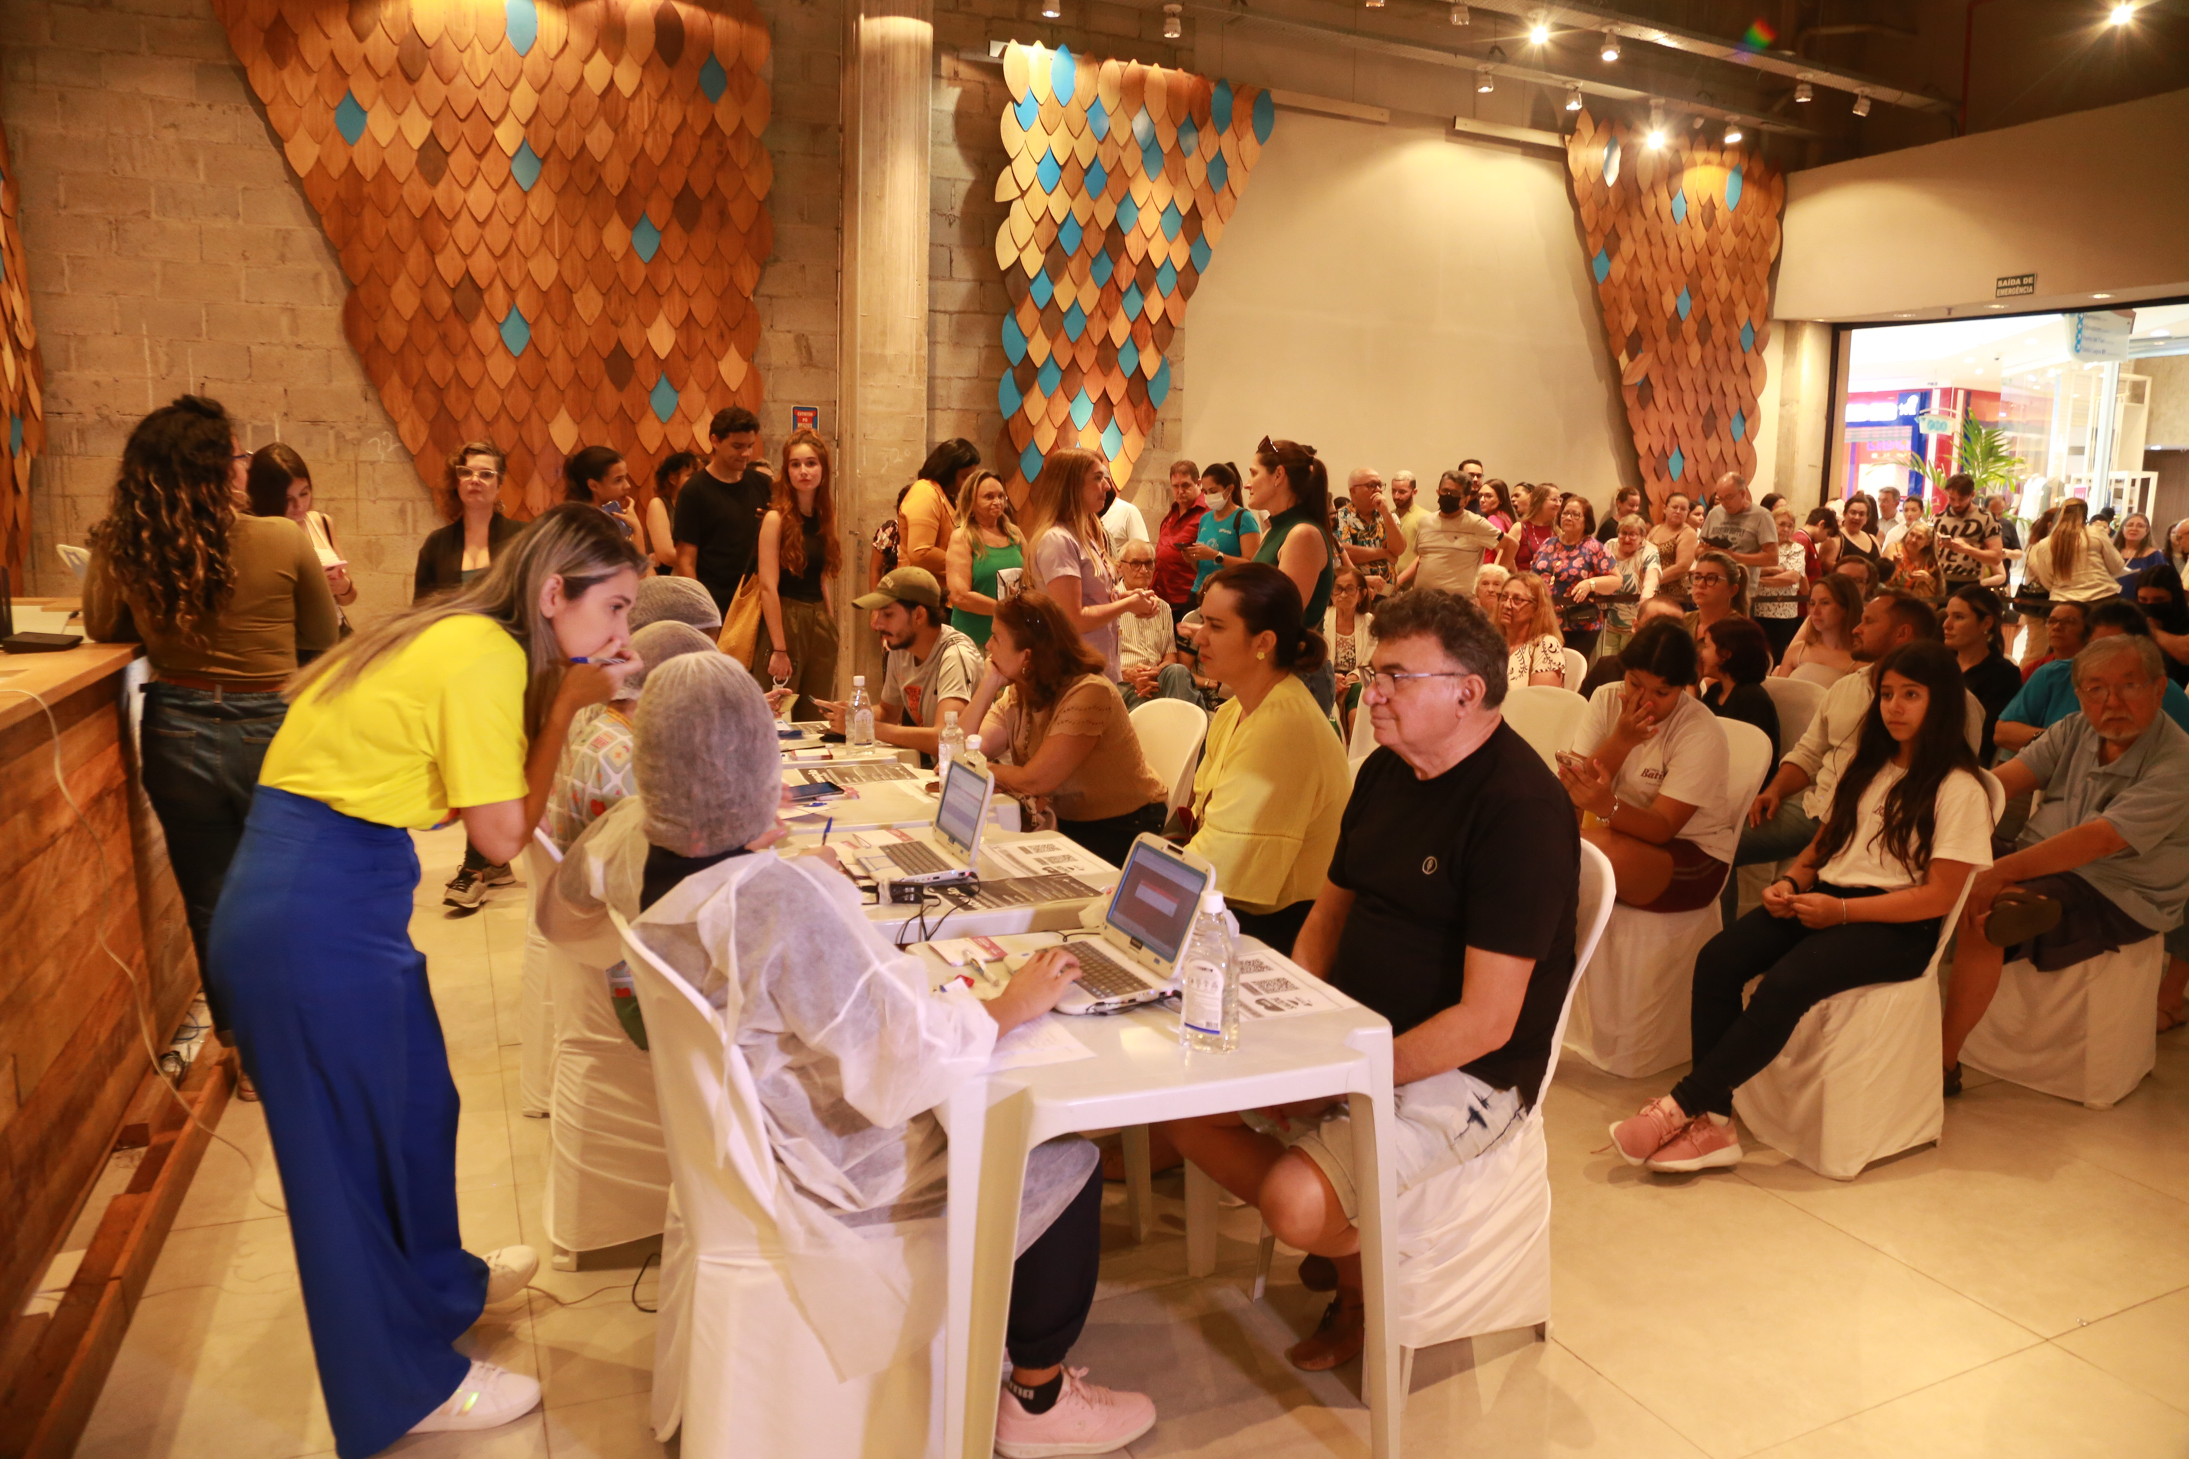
[741, 622]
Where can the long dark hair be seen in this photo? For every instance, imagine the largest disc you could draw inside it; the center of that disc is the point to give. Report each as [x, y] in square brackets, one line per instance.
[790, 551]
[582, 470]
[2172, 615]
[165, 533]
[273, 469]
[1060, 655]
[1269, 602]
[1984, 603]
[666, 485]
[1910, 812]
[1308, 478]
[1225, 475]
[948, 459]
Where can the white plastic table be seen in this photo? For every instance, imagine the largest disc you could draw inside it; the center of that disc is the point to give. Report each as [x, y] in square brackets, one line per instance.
[1140, 1075]
[890, 803]
[893, 920]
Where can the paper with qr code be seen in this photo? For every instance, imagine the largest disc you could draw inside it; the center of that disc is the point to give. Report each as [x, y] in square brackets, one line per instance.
[1269, 989]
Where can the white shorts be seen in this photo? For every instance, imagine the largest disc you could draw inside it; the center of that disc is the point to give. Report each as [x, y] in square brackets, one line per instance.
[1443, 1121]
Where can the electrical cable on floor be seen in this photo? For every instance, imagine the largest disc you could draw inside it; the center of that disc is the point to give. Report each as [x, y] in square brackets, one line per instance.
[140, 995]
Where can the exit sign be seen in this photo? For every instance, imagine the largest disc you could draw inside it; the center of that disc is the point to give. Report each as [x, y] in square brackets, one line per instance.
[2011, 285]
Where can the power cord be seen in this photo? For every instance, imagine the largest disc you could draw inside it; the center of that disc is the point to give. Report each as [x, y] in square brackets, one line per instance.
[140, 996]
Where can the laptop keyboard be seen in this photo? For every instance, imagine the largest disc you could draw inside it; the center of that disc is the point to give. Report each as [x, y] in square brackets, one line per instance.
[916, 857]
[1102, 976]
[852, 772]
[1024, 891]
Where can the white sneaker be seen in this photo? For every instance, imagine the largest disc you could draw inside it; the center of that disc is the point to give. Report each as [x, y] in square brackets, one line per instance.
[487, 1398]
[508, 1272]
[1086, 1419]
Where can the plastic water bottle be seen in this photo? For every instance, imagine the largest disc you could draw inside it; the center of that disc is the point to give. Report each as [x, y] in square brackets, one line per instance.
[1208, 1016]
[861, 719]
[949, 741]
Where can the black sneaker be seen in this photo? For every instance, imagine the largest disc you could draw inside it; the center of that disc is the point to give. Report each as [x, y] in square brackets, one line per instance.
[1953, 1082]
[466, 889]
[499, 876]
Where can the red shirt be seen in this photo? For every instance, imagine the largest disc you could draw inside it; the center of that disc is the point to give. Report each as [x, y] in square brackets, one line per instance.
[1174, 571]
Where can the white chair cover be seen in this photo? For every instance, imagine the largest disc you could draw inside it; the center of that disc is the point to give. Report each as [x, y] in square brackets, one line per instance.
[1824, 676]
[1362, 744]
[1474, 1244]
[1749, 757]
[535, 1007]
[1577, 669]
[2084, 1033]
[736, 1360]
[1631, 1017]
[607, 1175]
[1859, 1079]
[1170, 733]
[1797, 701]
[1544, 715]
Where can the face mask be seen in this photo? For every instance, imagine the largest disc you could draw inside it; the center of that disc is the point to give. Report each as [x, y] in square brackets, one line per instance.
[1447, 502]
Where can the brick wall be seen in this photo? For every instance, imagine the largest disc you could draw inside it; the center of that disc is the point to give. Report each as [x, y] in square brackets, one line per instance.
[171, 250]
[966, 299]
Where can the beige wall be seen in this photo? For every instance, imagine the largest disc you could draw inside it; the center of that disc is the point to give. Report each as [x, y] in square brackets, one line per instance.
[2089, 202]
[170, 249]
[1401, 299]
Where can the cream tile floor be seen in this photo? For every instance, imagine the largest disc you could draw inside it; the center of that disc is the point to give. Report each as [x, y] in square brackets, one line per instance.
[2022, 1290]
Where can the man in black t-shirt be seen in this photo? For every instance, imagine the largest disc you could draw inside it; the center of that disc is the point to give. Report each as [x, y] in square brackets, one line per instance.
[1450, 909]
[717, 526]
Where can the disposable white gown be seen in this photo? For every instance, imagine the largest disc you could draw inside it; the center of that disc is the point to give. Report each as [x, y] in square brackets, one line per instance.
[847, 1051]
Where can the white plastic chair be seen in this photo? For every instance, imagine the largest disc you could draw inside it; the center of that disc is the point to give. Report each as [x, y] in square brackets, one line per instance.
[2084, 1033]
[1362, 744]
[1171, 732]
[1577, 669]
[1474, 1243]
[736, 1364]
[1797, 701]
[1824, 676]
[1631, 1017]
[76, 559]
[1858, 1081]
[536, 1005]
[607, 1174]
[1544, 715]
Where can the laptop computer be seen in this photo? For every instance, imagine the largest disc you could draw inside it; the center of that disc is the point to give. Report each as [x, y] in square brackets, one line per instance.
[960, 812]
[1134, 957]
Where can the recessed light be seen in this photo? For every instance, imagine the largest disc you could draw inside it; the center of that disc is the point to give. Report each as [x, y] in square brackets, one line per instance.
[2162, 334]
[1995, 306]
[2101, 296]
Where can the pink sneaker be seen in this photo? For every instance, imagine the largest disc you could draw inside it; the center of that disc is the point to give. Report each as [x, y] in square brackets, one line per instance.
[1085, 1419]
[1703, 1145]
[1657, 1125]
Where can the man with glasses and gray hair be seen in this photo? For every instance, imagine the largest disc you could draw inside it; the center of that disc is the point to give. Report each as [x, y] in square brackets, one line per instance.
[1449, 908]
[2104, 861]
[1150, 665]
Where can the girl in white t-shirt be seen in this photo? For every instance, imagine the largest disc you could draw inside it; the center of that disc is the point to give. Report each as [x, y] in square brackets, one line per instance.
[1911, 819]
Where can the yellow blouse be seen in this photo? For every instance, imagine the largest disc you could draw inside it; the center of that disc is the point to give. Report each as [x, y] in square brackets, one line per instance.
[1268, 797]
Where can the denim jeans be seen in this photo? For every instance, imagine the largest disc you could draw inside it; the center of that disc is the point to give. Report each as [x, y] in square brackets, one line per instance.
[1172, 681]
[1778, 839]
[202, 753]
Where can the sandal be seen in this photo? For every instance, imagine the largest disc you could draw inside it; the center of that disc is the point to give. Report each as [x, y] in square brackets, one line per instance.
[2172, 1018]
[1337, 1339]
[2017, 917]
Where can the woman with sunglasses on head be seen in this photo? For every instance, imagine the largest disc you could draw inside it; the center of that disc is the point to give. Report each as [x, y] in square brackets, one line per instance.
[1290, 483]
[1910, 820]
[452, 557]
[224, 603]
[460, 706]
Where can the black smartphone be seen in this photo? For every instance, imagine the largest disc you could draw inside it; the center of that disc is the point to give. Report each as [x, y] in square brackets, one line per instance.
[819, 790]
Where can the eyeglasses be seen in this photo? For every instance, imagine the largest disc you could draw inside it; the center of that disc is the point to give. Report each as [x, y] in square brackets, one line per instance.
[478, 473]
[1386, 683]
[1707, 579]
[241, 456]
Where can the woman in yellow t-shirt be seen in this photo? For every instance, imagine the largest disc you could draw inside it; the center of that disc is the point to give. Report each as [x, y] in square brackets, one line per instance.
[462, 703]
[1272, 783]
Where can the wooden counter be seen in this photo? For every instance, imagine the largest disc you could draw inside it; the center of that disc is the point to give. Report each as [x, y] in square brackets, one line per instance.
[72, 1027]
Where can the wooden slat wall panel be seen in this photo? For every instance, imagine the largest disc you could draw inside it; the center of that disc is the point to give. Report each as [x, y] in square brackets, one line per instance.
[1682, 242]
[22, 377]
[552, 216]
[1120, 180]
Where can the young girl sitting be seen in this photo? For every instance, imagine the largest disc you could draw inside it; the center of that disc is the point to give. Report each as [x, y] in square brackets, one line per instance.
[1910, 821]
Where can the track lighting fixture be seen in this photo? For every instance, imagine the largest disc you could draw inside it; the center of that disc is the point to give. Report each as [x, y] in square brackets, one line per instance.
[1732, 133]
[1573, 98]
[1172, 29]
[1862, 103]
[1803, 91]
[1611, 45]
[1485, 80]
[1460, 15]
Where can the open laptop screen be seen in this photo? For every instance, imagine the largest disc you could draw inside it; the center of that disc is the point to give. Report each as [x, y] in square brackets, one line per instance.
[964, 798]
[1156, 899]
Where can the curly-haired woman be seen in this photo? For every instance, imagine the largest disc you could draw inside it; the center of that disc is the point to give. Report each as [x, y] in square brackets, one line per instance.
[223, 602]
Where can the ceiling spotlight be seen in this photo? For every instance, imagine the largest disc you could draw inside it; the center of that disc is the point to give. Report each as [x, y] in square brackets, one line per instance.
[1172, 29]
[1485, 80]
[1539, 31]
[1732, 133]
[1460, 15]
[1862, 103]
[2121, 15]
[1656, 139]
[1573, 98]
[2162, 334]
[1373, 4]
[1803, 91]
[1611, 45]
[2101, 296]
[1052, 9]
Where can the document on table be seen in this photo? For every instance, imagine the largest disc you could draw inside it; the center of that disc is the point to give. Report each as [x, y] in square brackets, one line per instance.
[1044, 1041]
[1270, 990]
[1048, 855]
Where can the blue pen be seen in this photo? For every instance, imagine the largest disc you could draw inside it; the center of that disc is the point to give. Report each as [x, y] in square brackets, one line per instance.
[826, 829]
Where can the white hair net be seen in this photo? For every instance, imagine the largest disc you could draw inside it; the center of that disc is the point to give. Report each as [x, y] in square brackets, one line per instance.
[679, 600]
[659, 642]
[706, 756]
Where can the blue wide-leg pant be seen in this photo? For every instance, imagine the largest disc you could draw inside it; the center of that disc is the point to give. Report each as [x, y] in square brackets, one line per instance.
[311, 953]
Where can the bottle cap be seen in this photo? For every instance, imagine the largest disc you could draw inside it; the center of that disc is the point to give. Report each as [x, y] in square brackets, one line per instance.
[950, 719]
[1212, 900]
[858, 681]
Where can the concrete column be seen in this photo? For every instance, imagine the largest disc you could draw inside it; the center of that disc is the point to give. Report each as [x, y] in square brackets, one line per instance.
[889, 56]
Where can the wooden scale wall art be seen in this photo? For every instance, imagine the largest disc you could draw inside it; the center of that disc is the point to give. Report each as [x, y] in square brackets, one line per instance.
[1681, 242]
[1120, 180]
[552, 216]
[22, 381]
